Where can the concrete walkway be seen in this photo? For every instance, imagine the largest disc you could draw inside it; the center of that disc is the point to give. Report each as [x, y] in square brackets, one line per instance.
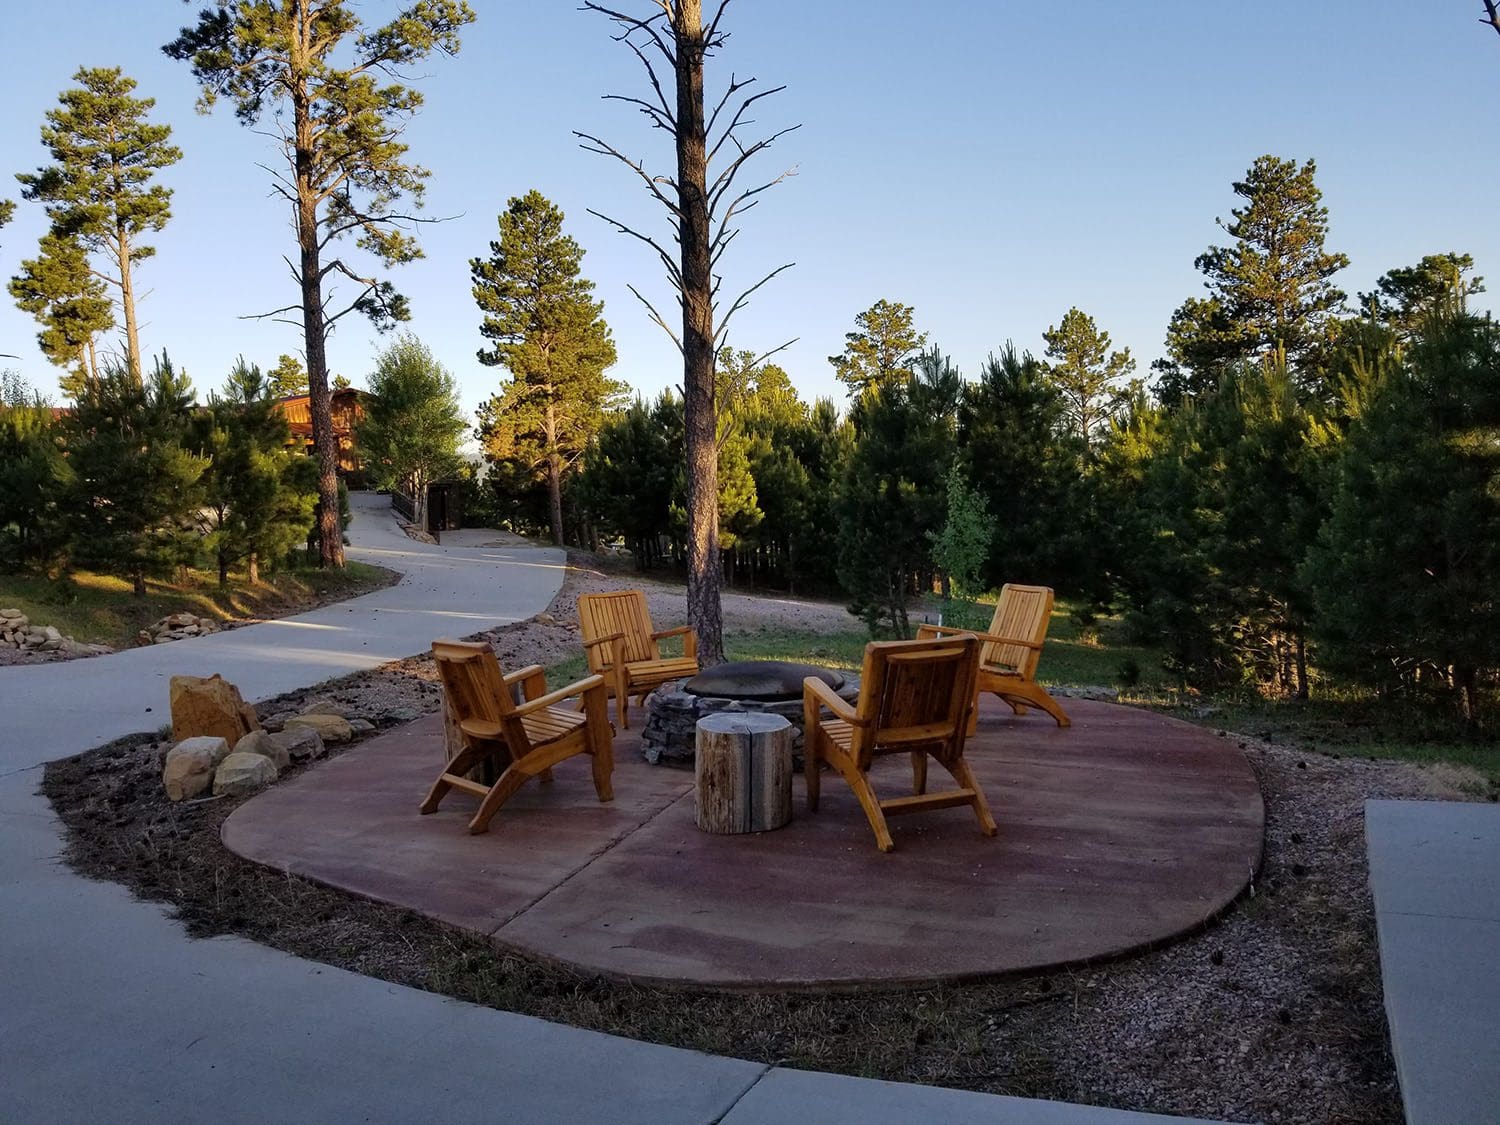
[1435, 877]
[108, 1011]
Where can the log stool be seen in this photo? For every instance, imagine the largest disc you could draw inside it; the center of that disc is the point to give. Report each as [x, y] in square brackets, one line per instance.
[744, 772]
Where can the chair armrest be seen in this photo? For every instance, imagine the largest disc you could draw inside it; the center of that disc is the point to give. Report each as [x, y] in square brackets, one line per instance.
[604, 640]
[521, 673]
[829, 698]
[987, 638]
[586, 684]
[689, 639]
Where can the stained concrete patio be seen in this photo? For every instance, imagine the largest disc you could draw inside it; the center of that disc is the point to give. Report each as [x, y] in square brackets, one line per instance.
[1118, 833]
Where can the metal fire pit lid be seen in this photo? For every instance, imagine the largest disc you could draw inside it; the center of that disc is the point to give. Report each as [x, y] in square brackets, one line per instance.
[769, 681]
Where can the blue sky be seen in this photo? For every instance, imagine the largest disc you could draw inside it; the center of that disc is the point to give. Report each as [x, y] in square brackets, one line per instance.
[991, 168]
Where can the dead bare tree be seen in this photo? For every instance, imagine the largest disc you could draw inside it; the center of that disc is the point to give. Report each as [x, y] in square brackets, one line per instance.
[1491, 14]
[703, 200]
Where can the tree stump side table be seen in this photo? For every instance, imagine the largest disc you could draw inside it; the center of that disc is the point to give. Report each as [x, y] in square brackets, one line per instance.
[743, 772]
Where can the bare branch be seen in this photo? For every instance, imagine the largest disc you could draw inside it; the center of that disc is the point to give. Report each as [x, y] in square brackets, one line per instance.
[674, 271]
[656, 316]
[740, 301]
[273, 313]
[1491, 15]
[603, 149]
[739, 119]
[711, 37]
[725, 180]
[632, 24]
[779, 348]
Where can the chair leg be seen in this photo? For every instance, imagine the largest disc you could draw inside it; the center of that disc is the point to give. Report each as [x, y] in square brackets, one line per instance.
[510, 781]
[545, 777]
[919, 772]
[812, 771]
[965, 778]
[601, 744]
[860, 783]
[460, 764]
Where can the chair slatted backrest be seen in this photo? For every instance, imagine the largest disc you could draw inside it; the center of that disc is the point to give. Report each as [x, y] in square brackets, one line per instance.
[1024, 612]
[623, 611]
[475, 687]
[916, 693]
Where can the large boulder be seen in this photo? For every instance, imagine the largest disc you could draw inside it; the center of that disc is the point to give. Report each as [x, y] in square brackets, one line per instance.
[240, 774]
[330, 728]
[300, 743]
[210, 706]
[259, 742]
[189, 768]
[323, 707]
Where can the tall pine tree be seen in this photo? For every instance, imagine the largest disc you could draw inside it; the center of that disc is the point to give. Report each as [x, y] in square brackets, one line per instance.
[338, 91]
[1086, 373]
[549, 333]
[99, 192]
[882, 348]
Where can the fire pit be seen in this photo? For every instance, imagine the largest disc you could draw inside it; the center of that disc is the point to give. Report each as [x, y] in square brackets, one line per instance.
[771, 687]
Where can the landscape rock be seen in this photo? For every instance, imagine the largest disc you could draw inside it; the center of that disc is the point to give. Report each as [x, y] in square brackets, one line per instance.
[323, 707]
[361, 726]
[545, 619]
[331, 728]
[239, 774]
[189, 768]
[300, 743]
[259, 742]
[211, 706]
[402, 715]
[175, 627]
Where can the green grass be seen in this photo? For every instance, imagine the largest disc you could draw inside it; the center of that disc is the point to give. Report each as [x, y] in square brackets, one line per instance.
[101, 609]
[1342, 723]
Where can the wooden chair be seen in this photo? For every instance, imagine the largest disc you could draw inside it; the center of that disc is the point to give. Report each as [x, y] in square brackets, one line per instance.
[621, 647]
[915, 698]
[1012, 647]
[526, 738]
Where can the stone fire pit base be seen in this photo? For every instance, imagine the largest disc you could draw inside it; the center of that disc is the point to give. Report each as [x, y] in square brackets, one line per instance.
[672, 719]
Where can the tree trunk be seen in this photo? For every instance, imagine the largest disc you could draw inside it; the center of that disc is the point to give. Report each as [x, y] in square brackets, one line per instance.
[223, 568]
[138, 584]
[252, 567]
[1302, 685]
[701, 437]
[127, 306]
[554, 483]
[320, 401]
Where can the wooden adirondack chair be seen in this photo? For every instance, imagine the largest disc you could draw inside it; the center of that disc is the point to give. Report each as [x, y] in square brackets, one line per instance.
[1012, 647]
[621, 647]
[915, 698]
[526, 738]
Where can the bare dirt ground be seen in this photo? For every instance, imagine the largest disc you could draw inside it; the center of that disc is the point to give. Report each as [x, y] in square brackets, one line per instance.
[1272, 1013]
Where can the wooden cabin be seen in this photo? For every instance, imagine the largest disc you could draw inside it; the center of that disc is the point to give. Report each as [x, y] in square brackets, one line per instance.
[347, 410]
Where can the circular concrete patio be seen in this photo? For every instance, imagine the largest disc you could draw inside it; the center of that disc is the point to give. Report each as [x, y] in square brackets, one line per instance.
[1118, 833]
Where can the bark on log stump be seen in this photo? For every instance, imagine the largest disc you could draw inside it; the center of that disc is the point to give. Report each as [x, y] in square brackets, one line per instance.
[744, 772]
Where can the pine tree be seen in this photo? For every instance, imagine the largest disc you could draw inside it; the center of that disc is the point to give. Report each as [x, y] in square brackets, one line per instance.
[71, 304]
[31, 470]
[340, 131]
[1404, 298]
[412, 422]
[1086, 373]
[99, 193]
[1270, 291]
[131, 484]
[549, 333]
[892, 491]
[632, 474]
[881, 349]
[1403, 573]
[288, 377]
[260, 493]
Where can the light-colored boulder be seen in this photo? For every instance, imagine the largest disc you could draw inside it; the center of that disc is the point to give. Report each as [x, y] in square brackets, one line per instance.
[323, 707]
[209, 706]
[300, 743]
[259, 742]
[331, 728]
[189, 768]
[239, 774]
[361, 726]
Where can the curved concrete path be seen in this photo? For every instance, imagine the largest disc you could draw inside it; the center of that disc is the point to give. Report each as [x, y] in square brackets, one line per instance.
[108, 1011]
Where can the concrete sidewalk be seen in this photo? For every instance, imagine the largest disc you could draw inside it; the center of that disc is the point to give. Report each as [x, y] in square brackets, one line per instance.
[1435, 877]
[109, 1012]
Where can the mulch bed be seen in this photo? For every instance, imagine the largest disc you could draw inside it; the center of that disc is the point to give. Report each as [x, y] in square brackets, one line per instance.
[1273, 1013]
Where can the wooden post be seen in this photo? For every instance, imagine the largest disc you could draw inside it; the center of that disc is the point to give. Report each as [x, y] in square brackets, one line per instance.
[744, 772]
